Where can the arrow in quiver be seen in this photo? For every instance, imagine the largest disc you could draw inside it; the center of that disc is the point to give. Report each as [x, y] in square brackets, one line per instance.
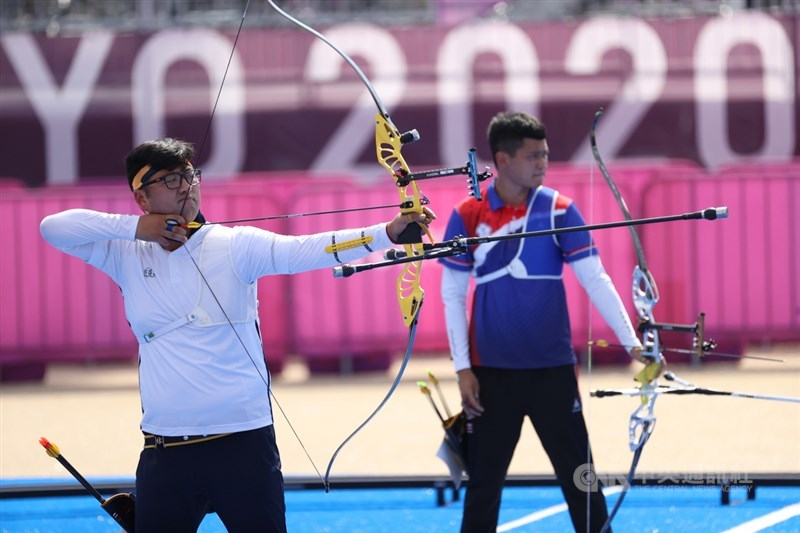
[121, 507]
[453, 450]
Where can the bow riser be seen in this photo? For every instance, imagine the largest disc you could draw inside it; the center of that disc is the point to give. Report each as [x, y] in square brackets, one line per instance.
[388, 144]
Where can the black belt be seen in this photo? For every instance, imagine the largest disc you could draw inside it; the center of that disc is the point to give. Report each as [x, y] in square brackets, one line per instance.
[157, 441]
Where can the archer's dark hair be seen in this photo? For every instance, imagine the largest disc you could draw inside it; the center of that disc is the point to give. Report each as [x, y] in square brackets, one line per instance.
[159, 154]
[507, 131]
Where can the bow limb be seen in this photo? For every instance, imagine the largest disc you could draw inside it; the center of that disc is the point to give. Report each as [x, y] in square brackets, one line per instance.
[388, 145]
[349, 60]
[406, 357]
[617, 195]
[645, 296]
[645, 290]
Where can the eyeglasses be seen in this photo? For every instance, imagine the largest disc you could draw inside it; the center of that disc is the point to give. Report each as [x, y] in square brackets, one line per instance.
[173, 179]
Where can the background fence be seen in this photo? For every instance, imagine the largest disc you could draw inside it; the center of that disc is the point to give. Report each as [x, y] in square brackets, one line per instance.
[741, 271]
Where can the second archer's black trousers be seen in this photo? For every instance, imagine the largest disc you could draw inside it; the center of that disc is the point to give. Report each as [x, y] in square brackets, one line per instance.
[550, 399]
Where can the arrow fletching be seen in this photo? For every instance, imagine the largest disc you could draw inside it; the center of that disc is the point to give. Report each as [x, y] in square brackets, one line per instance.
[52, 449]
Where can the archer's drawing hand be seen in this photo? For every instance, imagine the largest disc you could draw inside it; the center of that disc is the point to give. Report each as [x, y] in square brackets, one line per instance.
[470, 393]
[160, 229]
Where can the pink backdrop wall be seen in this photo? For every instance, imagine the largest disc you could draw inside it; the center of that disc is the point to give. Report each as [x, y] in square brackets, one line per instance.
[741, 271]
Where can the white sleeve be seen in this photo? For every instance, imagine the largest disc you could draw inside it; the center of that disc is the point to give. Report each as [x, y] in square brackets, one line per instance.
[76, 231]
[598, 285]
[263, 253]
[455, 285]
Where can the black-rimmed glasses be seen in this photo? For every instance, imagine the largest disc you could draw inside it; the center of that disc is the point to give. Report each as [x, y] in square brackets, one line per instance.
[173, 179]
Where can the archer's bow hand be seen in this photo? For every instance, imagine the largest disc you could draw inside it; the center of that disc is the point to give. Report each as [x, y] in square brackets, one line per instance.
[165, 230]
[637, 352]
[653, 366]
[399, 224]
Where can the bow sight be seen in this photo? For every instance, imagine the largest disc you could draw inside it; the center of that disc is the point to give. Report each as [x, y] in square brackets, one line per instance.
[469, 169]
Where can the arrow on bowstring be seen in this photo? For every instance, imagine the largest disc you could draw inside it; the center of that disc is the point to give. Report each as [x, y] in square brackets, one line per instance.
[689, 388]
[460, 245]
[195, 225]
[700, 352]
[403, 179]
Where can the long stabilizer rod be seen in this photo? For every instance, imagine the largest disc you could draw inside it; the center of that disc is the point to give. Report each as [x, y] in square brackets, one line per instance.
[460, 245]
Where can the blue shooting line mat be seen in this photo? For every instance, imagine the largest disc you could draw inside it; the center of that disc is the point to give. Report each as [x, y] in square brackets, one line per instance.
[414, 510]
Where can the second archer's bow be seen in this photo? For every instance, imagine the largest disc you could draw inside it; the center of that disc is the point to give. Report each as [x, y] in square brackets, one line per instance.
[388, 144]
[645, 297]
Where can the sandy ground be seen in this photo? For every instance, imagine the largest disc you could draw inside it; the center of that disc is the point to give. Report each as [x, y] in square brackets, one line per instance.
[92, 414]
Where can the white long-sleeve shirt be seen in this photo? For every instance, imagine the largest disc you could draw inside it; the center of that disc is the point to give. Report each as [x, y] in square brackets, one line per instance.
[196, 375]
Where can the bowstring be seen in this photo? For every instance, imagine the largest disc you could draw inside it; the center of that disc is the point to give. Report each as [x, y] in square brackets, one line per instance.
[222, 83]
[266, 381]
[589, 355]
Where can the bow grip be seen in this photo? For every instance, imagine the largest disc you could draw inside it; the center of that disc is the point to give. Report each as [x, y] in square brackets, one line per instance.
[411, 235]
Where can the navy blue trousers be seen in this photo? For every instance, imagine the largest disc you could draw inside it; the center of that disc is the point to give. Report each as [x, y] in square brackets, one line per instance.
[238, 477]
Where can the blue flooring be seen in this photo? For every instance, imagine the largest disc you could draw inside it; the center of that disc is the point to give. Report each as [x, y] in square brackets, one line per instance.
[646, 509]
